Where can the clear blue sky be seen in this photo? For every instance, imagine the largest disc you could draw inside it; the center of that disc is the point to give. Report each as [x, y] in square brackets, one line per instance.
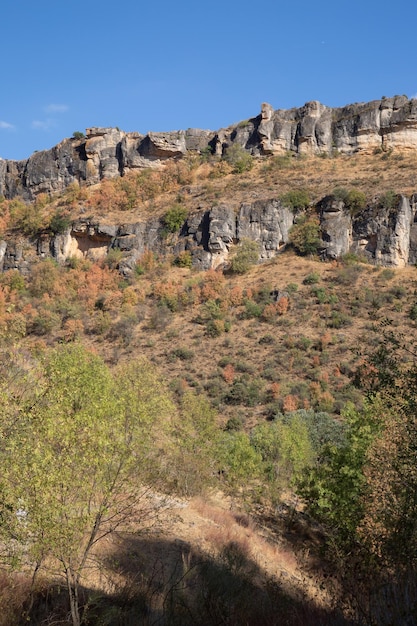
[164, 65]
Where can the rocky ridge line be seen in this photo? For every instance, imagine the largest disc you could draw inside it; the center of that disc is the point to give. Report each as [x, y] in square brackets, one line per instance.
[311, 129]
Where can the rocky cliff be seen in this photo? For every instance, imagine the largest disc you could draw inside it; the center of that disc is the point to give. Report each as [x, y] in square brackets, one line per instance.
[313, 128]
[382, 235]
[385, 235]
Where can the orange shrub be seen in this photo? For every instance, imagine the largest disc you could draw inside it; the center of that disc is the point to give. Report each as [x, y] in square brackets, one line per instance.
[235, 296]
[275, 388]
[289, 403]
[229, 373]
[282, 305]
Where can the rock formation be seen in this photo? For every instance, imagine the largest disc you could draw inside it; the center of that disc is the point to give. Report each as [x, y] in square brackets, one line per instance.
[383, 234]
[313, 128]
[380, 234]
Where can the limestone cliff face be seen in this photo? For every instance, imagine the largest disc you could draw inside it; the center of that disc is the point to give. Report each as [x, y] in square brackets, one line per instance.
[384, 236]
[313, 128]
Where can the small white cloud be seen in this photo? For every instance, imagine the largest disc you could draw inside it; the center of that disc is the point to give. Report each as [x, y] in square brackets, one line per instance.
[56, 108]
[6, 125]
[43, 124]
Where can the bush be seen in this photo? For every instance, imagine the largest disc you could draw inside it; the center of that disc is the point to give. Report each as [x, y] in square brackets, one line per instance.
[59, 223]
[113, 258]
[184, 259]
[311, 279]
[78, 135]
[388, 200]
[296, 200]
[353, 199]
[238, 158]
[174, 218]
[252, 309]
[305, 235]
[247, 254]
[25, 217]
[183, 354]
[413, 312]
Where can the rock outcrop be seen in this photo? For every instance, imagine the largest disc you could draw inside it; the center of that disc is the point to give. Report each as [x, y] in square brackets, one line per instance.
[382, 234]
[313, 129]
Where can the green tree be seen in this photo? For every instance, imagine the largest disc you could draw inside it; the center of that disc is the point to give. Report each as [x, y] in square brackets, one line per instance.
[335, 489]
[197, 460]
[80, 449]
[240, 461]
[286, 450]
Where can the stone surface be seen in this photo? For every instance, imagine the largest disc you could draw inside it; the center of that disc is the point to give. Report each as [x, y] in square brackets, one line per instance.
[311, 129]
[384, 236]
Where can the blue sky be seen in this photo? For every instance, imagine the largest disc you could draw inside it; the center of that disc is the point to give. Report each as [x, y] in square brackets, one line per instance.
[164, 65]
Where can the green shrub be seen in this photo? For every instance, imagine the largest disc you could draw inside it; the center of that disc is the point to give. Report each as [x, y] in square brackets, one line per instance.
[291, 288]
[59, 223]
[305, 235]
[252, 309]
[174, 218]
[353, 199]
[77, 134]
[25, 217]
[14, 280]
[184, 354]
[311, 279]
[413, 312]
[388, 200]
[238, 158]
[184, 259]
[113, 258]
[296, 200]
[247, 254]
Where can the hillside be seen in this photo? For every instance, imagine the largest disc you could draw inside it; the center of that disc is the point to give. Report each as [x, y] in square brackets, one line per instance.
[159, 264]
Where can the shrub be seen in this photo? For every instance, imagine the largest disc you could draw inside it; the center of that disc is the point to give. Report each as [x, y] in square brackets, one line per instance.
[353, 199]
[184, 259]
[413, 312]
[305, 235]
[388, 200]
[238, 158]
[59, 223]
[113, 258]
[14, 280]
[174, 218]
[184, 354]
[252, 309]
[25, 217]
[215, 327]
[247, 254]
[77, 134]
[296, 200]
[311, 279]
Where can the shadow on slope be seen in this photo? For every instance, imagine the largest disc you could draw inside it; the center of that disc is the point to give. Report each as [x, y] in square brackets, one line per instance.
[170, 583]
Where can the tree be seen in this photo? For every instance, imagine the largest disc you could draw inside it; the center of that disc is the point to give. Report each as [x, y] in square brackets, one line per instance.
[78, 457]
[285, 449]
[365, 492]
[197, 453]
